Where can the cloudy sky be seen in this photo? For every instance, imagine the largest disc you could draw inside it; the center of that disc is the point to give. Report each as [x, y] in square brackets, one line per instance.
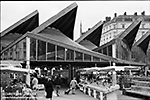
[89, 12]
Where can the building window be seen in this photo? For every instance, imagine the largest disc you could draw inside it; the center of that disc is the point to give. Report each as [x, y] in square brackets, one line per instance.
[114, 26]
[123, 25]
[110, 35]
[143, 33]
[143, 25]
[109, 27]
[128, 19]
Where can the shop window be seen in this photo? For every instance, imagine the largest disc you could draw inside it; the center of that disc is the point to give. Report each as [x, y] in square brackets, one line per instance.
[60, 53]
[78, 56]
[50, 51]
[41, 52]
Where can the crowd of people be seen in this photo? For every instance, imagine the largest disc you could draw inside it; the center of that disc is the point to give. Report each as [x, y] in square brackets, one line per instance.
[52, 85]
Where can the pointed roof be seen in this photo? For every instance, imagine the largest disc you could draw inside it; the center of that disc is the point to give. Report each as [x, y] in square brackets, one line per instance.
[128, 36]
[27, 23]
[93, 35]
[64, 21]
[143, 42]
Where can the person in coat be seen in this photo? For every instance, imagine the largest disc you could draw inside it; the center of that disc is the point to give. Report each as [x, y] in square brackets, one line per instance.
[49, 89]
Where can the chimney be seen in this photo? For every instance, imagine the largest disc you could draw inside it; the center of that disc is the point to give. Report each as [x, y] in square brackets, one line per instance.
[143, 13]
[125, 13]
[115, 14]
[135, 13]
[108, 19]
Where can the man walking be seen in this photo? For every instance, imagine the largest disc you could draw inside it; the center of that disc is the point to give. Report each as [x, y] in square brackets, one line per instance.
[73, 85]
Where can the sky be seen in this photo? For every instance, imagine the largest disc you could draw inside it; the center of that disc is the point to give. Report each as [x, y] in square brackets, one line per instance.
[88, 13]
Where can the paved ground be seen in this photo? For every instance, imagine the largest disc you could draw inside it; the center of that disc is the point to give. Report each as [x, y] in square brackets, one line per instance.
[78, 96]
[81, 96]
[117, 95]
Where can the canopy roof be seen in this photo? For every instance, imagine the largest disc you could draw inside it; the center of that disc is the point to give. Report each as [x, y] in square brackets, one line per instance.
[24, 25]
[143, 42]
[117, 68]
[93, 34]
[64, 21]
[54, 36]
[128, 36]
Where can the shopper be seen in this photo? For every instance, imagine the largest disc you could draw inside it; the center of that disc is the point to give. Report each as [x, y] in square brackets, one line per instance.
[73, 85]
[57, 83]
[49, 89]
[35, 84]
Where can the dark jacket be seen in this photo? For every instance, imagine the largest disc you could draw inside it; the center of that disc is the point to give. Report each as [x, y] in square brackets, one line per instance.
[49, 89]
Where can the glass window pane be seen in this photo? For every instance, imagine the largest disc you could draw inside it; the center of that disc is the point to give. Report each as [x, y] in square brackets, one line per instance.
[60, 53]
[50, 51]
[78, 56]
[96, 59]
[105, 51]
[87, 57]
[32, 49]
[110, 50]
[69, 54]
[41, 55]
[100, 51]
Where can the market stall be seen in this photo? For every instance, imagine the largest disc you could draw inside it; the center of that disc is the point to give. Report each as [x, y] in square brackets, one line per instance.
[98, 82]
[13, 83]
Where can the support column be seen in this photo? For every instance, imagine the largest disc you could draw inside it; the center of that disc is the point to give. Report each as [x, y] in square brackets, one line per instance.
[114, 79]
[70, 70]
[55, 52]
[114, 52]
[28, 60]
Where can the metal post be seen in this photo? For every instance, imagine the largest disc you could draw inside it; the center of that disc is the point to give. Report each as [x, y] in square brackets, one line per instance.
[36, 50]
[55, 52]
[46, 51]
